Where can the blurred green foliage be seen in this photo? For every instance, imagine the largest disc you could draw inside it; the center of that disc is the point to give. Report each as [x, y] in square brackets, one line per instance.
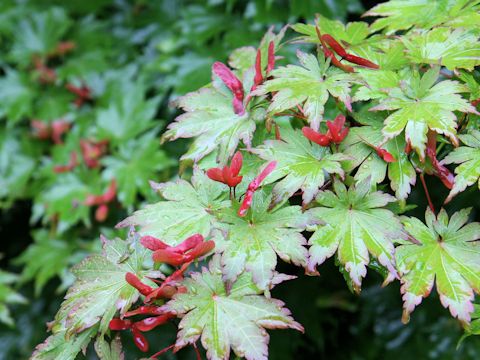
[135, 57]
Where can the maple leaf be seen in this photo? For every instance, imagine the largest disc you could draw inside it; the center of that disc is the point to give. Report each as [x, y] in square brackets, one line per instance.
[359, 147]
[58, 348]
[100, 288]
[474, 327]
[60, 195]
[112, 351]
[468, 172]
[209, 118]
[253, 242]
[128, 115]
[356, 225]
[189, 209]
[235, 319]
[16, 165]
[39, 33]
[376, 84]
[420, 105]
[310, 84]
[448, 254]
[403, 14]
[141, 157]
[443, 46]
[17, 96]
[300, 165]
[8, 296]
[45, 258]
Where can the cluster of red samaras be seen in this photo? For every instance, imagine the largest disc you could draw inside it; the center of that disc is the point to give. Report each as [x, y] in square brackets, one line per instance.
[181, 255]
[336, 133]
[228, 175]
[334, 45]
[91, 152]
[102, 201]
[236, 86]
[47, 75]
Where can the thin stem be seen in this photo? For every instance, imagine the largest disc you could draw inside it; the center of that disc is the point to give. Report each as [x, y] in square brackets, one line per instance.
[430, 204]
[197, 352]
[161, 352]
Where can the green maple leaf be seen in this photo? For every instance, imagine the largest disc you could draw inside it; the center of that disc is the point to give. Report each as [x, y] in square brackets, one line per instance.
[376, 85]
[17, 164]
[423, 104]
[253, 242]
[443, 46]
[128, 115]
[17, 96]
[39, 34]
[227, 319]
[141, 157]
[300, 165]
[45, 258]
[309, 85]
[371, 166]
[448, 255]
[100, 288]
[56, 347]
[8, 296]
[471, 83]
[356, 226]
[210, 119]
[112, 351]
[468, 172]
[403, 14]
[474, 327]
[63, 197]
[190, 208]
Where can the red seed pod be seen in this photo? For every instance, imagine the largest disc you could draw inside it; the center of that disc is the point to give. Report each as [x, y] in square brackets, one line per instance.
[233, 83]
[101, 213]
[40, 129]
[169, 257]
[189, 243]
[361, 61]
[152, 243]
[111, 192]
[271, 57]
[150, 323]
[69, 167]
[215, 174]
[334, 45]
[385, 155]
[336, 131]
[201, 249]
[253, 186]
[258, 78]
[140, 340]
[119, 324]
[59, 127]
[144, 310]
[63, 48]
[316, 137]
[228, 174]
[133, 280]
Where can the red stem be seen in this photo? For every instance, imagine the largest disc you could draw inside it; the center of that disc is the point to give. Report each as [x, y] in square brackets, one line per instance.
[430, 204]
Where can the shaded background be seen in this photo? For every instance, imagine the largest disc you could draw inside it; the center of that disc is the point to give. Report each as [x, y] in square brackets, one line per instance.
[156, 51]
